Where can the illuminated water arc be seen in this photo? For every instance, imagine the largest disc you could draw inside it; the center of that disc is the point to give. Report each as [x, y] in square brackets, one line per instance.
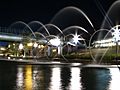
[36, 23]
[38, 41]
[78, 37]
[103, 55]
[103, 11]
[67, 43]
[39, 34]
[40, 23]
[77, 9]
[94, 59]
[23, 23]
[109, 31]
[55, 27]
[114, 4]
[76, 27]
[53, 36]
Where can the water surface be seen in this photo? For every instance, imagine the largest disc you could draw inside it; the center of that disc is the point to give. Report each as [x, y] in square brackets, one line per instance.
[57, 77]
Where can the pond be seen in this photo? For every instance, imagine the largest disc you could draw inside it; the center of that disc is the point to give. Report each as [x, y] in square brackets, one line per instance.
[57, 77]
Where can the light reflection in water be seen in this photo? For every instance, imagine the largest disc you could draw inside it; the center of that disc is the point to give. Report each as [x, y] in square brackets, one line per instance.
[35, 72]
[38, 79]
[55, 83]
[66, 78]
[20, 78]
[75, 79]
[28, 77]
[115, 79]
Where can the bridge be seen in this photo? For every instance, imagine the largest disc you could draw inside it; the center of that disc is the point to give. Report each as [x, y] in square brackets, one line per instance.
[10, 34]
[15, 35]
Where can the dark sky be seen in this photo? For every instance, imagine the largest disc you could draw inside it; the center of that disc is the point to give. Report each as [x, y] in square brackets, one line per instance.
[44, 10]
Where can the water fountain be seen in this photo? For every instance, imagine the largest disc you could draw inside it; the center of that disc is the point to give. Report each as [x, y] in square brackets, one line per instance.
[70, 16]
[65, 39]
[108, 35]
[71, 35]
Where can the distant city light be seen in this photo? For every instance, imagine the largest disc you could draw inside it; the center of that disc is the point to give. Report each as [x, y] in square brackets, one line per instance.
[29, 44]
[21, 46]
[35, 45]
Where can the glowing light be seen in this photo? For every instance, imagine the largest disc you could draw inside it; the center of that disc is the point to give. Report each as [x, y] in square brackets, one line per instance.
[1, 54]
[42, 46]
[76, 38]
[21, 46]
[9, 46]
[116, 33]
[105, 43]
[39, 46]
[30, 44]
[35, 45]
[76, 64]
[2, 48]
[9, 58]
[13, 44]
[54, 50]
[55, 41]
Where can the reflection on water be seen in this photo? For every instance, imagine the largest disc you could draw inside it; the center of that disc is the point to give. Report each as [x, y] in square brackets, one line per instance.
[55, 79]
[20, 78]
[28, 77]
[95, 79]
[65, 78]
[115, 79]
[75, 79]
[45, 77]
[24, 78]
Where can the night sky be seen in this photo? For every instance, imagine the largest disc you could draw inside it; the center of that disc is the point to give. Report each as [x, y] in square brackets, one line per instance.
[44, 10]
